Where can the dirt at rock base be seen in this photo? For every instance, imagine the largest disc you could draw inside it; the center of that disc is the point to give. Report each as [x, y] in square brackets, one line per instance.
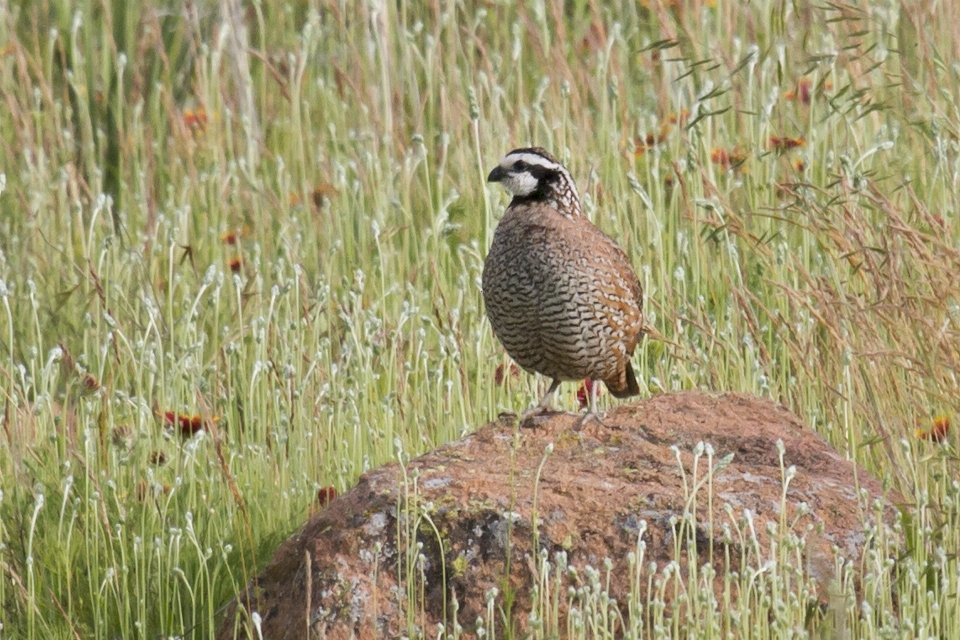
[598, 493]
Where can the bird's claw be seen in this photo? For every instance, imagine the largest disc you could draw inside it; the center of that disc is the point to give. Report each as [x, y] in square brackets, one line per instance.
[588, 417]
[529, 418]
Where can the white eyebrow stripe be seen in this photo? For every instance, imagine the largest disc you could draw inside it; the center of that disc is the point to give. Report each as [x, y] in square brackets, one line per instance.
[529, 158]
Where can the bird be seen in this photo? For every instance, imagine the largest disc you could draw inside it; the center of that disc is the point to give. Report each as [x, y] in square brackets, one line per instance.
[562, 297]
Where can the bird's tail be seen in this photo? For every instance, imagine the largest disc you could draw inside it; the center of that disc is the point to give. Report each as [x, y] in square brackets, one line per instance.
[624, 384]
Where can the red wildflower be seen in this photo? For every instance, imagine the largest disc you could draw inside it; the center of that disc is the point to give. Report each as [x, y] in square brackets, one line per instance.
[189, 425]
[803, 90]
[583, 392]
[500, 375]
[325, 496]
[186, 423]
[89, 384]
[144, 490]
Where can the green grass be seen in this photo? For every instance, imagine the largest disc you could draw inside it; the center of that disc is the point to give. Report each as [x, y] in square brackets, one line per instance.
[346, 149]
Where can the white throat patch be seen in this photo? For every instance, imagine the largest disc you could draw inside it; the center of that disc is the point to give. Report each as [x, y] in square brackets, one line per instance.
[520, 184]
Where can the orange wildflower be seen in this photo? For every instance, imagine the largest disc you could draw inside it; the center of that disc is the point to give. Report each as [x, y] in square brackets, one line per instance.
[323, 190]
[233, 237]
[680, 118]
[728, 159]
[718, 155]
[642, 145]
[783, 144]
[195, 119]
[938, 431]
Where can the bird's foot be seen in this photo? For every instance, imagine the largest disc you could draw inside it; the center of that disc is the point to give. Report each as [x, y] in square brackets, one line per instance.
[530, 419]
[588, 417]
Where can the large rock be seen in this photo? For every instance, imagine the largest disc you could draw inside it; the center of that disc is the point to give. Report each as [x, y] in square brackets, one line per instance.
[597, 491]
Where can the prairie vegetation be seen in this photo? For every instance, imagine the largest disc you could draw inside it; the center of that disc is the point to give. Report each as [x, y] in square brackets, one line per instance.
[240, 248]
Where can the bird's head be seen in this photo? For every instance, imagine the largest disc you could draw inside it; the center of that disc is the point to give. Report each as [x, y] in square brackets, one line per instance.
[531, 173]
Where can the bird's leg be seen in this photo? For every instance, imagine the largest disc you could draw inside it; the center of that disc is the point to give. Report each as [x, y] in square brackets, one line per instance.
[591, 413]
[545, 401]
[544, 405]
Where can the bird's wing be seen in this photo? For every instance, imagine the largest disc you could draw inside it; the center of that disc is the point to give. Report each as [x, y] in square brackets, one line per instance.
[606, 248]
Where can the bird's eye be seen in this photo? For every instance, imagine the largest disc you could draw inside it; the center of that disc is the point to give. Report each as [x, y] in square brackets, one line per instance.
[520, 165]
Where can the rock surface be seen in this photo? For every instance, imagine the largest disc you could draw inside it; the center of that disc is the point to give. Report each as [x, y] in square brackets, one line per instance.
[597, 490]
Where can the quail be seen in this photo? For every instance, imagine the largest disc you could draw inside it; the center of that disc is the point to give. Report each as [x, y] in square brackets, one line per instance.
[561, 295]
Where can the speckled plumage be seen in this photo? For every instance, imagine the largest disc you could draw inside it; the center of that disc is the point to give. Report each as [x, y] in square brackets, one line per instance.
[561, 295]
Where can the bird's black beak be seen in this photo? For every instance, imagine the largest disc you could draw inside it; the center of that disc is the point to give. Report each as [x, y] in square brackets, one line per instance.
[497, 174]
